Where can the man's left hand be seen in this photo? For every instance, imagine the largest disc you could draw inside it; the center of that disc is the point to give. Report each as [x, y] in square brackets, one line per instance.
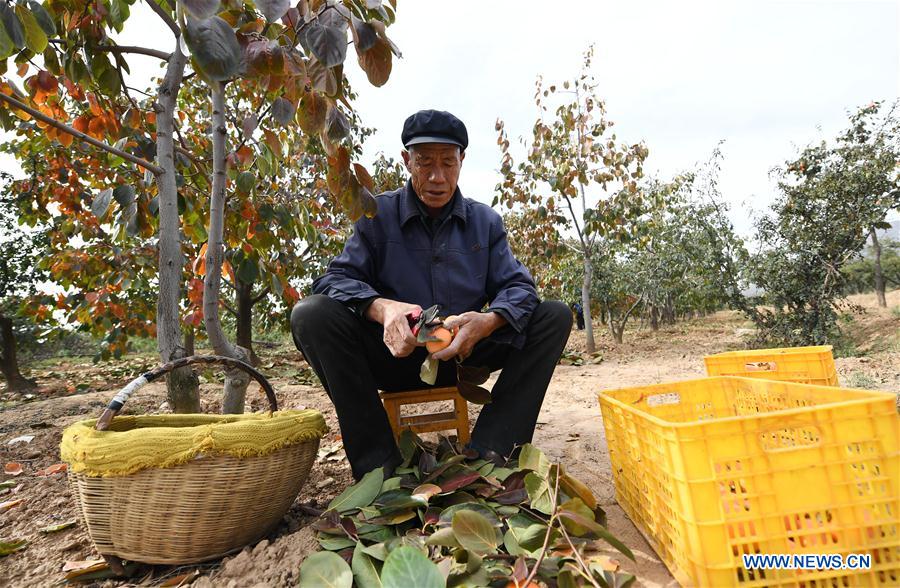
[473, 327]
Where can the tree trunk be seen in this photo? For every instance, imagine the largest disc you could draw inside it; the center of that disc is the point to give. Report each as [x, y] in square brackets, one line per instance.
[244, 318]
[654, 317]
[182, 385]
[590, 347]
[9, 364]
[879, 275]
[615, 330]
[189, 337]
[236, 381]
[669, 311]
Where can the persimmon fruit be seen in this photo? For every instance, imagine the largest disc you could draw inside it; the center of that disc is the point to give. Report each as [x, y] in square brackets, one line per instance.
[445, 337]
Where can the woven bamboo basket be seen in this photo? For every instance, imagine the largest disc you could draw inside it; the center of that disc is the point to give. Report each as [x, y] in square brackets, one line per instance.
[203, 509]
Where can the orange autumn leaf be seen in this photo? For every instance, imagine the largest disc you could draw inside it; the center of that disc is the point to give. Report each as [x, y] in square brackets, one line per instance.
[200, 262]
[81, 124]
[65, 139]
[229, 271]
[70, 566]
[58, 468]
[13, 469]
[97, 127]
[94, 104]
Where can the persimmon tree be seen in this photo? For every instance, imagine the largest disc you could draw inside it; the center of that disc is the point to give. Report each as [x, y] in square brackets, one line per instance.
[295, 54]
[831, 197]
[868, 152]
[576, 168]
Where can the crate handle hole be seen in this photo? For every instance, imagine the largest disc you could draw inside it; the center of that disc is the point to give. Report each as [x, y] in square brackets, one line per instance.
[790, 439]
[761, 366]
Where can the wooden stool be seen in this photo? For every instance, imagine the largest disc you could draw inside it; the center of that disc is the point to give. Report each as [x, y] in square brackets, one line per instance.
[457, 419]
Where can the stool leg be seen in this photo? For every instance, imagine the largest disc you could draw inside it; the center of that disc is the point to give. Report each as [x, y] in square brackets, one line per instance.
[462, 419]
[393, 413]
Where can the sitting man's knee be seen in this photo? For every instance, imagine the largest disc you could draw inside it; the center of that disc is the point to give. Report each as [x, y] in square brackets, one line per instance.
[309, 311]
[557, 313]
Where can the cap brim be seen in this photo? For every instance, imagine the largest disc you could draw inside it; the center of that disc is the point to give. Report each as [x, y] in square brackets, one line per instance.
[434, 139]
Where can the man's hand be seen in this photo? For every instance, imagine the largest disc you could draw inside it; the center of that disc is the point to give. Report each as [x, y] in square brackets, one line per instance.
[473, 327]
[392, 315]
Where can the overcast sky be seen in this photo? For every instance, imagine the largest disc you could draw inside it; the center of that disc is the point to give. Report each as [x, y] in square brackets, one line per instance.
[764, 76]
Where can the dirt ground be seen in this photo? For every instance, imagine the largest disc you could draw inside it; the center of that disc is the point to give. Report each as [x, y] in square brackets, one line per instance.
[569, 430]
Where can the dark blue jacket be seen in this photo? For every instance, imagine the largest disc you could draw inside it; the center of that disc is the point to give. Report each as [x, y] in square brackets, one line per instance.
[466, 264]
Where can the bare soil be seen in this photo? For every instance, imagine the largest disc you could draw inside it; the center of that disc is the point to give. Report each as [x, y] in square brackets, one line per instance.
[569, 430]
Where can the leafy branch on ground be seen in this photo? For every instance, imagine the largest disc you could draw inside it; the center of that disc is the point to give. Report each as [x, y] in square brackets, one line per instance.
[448, 518]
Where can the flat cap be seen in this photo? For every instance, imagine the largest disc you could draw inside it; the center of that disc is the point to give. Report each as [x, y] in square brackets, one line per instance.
[434, 126]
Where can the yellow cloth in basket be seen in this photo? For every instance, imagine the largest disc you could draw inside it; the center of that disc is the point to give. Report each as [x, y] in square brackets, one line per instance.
[134, 443]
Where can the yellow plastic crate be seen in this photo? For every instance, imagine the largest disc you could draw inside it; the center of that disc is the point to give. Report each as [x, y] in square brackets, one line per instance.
[805, 365]
[714, 468]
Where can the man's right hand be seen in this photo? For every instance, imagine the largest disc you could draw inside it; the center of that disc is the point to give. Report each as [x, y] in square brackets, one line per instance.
[392, 314]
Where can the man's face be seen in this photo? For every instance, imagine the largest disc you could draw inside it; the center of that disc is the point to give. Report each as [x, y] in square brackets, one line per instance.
[434, 170]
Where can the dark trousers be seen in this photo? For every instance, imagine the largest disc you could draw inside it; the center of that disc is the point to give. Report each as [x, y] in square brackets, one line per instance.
[349, 356]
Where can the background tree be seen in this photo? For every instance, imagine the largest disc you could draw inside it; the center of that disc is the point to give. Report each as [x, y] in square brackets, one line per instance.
[576, 169]
[387, 174]
[19, 278]
[867, 153]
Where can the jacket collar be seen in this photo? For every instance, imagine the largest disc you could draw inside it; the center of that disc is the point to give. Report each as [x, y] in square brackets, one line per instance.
[409, 208]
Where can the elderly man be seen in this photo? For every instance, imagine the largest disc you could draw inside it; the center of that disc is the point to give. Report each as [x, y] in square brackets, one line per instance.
[429, 245]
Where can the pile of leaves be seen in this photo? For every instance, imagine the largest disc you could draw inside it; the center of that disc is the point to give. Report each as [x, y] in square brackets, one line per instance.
[448, 518]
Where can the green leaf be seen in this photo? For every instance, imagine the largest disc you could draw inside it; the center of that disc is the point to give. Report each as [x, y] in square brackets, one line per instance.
[35, 37]
[248, 272]
[360, 494]
[8, 547]
[273, 9]
[325, 570]
[366, 572]
[539, 493]
[124, 195]
[43, 18]
[333, 543]
[327, 43]
[577, 506]
[6, 45]
[475, 532]
[407, 566]
[59, 527]
[283, 110]
[214, 46]
[109, 81]
[101, 203]
[245, 182]
[12, 25]
[202, 9]
[532, 458]
[337, 127]
[429, 370]
[445, 537]
[378, 551]
[448, 513]
[597, 529]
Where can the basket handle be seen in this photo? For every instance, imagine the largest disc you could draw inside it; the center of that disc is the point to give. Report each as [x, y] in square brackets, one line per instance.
[116, 404]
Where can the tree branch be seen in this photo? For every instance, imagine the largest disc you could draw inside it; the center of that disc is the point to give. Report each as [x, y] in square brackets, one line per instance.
[230, 310]
[137, 50]
[78, 134]
[166, 17]
[262, 295]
